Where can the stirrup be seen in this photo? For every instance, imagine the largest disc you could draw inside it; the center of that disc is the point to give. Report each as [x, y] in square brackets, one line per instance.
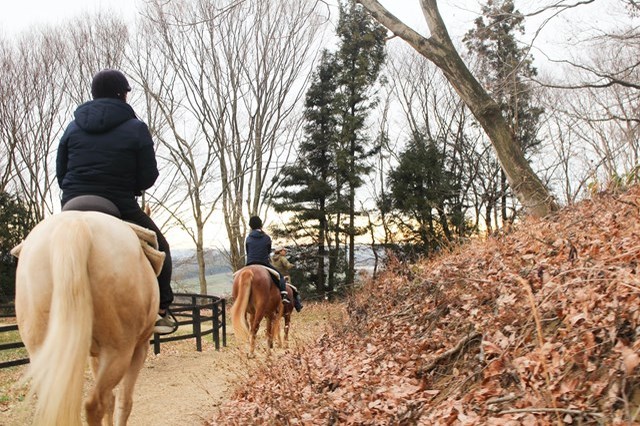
[166, 324]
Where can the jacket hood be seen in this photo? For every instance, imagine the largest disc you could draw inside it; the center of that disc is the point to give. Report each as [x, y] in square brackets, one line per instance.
[102, 115]
[257, 233]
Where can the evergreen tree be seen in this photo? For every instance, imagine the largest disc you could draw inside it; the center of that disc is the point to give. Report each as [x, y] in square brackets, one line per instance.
[15, 223]
[320, 187]
[506, 68]
[359, 59]
[425, 195]
[309, 186]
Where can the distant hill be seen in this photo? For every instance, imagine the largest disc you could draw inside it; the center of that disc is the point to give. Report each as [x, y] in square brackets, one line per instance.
[185, 264]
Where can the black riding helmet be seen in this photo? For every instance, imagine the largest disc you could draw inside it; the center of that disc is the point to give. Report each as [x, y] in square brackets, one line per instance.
[109, 84]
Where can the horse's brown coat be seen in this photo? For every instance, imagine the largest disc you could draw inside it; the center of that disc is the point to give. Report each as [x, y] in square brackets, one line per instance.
[255, 297]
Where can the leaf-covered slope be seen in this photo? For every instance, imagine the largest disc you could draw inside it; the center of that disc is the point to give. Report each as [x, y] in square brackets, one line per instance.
[536, 326]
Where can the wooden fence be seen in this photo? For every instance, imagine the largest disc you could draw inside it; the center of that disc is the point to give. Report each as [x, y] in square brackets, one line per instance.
[11, 345]
[195, 308]
[189, 309]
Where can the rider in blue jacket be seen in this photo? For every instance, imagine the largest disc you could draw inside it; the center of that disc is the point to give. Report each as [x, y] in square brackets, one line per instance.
[258, 248]
[108, 152]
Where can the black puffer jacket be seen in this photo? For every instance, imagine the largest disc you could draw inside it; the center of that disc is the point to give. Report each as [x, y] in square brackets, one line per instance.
[106, 151]
[258, 247]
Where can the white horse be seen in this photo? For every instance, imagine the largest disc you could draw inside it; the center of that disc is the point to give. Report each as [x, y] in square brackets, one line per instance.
[84, 288]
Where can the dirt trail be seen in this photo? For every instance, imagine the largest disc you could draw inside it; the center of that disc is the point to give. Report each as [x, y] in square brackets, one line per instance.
[181, 386]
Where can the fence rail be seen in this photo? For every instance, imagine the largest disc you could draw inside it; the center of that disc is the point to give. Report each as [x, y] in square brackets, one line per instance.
[189, 309]
[193, 307]
[11, 345]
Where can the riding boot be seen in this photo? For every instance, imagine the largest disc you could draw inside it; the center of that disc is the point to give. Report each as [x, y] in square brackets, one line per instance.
[283, 290]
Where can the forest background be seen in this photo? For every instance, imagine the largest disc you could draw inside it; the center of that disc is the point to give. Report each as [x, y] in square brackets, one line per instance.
[251, 103]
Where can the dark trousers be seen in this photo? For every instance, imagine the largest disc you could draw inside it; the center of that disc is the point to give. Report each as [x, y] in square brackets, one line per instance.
[281, 283]
[164, 279]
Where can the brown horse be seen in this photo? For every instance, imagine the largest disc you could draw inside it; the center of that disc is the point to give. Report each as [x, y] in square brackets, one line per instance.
[255, 297]
[84, 288]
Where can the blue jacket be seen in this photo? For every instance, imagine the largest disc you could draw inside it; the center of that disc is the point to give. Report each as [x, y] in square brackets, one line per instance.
[106, 151]
[258, 247]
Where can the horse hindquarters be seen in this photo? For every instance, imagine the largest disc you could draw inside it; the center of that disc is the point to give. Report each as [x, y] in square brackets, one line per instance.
[241, 294]
[56, 370]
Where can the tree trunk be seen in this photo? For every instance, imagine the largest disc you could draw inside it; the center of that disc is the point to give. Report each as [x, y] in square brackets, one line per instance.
[439, 49]
[201, 268]
[321, 285]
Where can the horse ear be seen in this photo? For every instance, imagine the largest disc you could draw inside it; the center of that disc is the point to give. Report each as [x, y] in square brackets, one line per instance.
[147, 210]
[16, 250]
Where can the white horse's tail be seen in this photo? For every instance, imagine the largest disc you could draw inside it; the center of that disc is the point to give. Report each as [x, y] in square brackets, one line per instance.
[57, 369]
[239, 308]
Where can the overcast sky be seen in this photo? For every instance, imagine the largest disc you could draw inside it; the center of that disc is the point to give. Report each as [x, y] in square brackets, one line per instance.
[18, 15]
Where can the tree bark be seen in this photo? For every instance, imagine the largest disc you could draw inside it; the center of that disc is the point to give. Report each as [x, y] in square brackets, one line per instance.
[439, 49]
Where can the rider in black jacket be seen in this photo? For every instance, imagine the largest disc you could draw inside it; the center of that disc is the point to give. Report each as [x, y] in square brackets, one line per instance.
[107, 151]
[258, 248]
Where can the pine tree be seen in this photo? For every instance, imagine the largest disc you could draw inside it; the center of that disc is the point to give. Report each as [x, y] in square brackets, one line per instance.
[359, 59]
[506, 67]
[309, 185]
[425, 194]
[15, 225]
[320, 187]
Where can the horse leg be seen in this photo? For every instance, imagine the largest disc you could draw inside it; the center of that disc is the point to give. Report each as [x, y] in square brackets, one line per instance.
[108, 409]
[270, 332]
[125, 394]
[252, 339]
[287, 321]
[108, 370]
[276, 317]
[255, 326]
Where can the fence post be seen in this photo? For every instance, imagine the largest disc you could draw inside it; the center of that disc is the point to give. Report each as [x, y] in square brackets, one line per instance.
[195, 316]
[156, 343]
[216, 325]
[224, 323]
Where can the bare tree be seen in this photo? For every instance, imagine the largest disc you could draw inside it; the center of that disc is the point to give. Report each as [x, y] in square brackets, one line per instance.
[91, 43]
[439, 49]
[46, 73]
[226, 82]
[596, 112]
[431, 106]
[565, 155]
[616, 61]
[32, 102]
[9, 116]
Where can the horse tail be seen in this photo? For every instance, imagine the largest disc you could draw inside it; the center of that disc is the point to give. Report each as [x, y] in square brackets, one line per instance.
[57, 369]
[239, 308]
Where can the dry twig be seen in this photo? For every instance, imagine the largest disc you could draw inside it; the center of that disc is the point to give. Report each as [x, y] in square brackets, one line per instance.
[449, 353]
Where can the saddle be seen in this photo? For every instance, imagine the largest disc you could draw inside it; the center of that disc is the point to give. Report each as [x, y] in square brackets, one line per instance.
[275, 276]
[148, 238]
